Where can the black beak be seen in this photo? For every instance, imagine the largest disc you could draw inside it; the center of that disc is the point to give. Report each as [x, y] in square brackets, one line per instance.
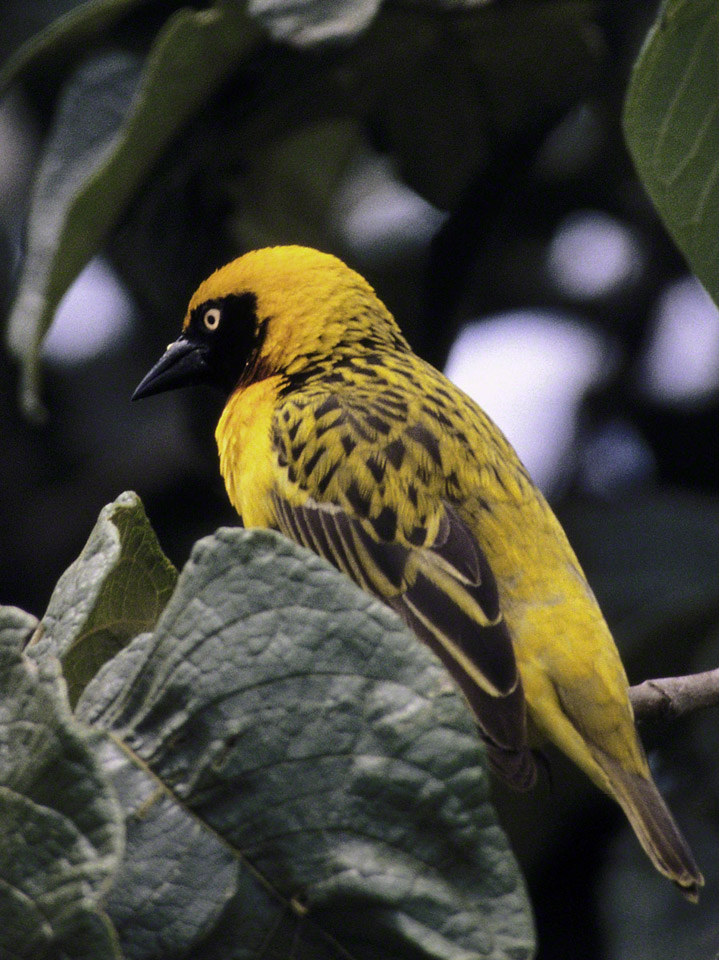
[182, 364]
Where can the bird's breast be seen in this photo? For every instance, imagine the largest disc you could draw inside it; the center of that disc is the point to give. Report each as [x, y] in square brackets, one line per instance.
[244, 442]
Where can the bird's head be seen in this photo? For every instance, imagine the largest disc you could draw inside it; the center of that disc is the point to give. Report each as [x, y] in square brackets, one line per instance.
[271, 311]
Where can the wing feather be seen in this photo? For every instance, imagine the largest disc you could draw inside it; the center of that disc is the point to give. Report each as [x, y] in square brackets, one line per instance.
[456, 546]
[502, 722]
[482, 650]
[458, 619]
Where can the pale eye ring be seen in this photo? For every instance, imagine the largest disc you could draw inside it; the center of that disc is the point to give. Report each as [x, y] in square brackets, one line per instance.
[211, 318]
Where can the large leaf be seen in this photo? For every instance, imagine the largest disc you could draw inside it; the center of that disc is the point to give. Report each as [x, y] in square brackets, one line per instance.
[116, 589]
[62, 836]
[114, 118]
[180, 887]
[296, 718]
[175, 876]
[671, 124]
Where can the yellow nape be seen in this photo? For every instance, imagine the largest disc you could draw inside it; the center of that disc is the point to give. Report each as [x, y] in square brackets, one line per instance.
[312, 300]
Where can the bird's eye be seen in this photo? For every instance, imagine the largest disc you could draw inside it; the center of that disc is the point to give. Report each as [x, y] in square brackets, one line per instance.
[211, 319]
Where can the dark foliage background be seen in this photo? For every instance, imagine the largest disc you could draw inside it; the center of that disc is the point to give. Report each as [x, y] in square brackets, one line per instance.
[506, 121]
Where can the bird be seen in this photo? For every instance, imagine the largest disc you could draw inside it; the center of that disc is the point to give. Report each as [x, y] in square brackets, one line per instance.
[337, 435]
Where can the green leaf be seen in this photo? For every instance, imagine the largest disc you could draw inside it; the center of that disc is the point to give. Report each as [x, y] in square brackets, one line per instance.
[115, 117]
[170, 861]
[61, 38]
[16, 626]
[116, 589]
[180, 886]
[296, 718]
[671, 124]
[61, 837]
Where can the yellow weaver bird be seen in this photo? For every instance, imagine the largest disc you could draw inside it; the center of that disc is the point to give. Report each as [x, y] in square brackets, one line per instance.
[336, 434]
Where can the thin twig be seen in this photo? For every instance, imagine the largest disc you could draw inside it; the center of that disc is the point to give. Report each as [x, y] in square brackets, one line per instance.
[672, 697]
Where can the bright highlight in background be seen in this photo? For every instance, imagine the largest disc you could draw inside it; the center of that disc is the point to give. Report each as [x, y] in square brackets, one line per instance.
[94, 316]
[682, 359]
[592, 254]
[529, 371]
[377, 211]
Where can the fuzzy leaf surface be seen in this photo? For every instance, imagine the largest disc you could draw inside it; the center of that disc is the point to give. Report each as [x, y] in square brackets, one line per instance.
[62, 831]
[175, 876]
[180, 888]
[116, 589]
[297, 719]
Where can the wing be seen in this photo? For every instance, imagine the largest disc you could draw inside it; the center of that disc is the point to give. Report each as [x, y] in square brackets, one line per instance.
[352, 500]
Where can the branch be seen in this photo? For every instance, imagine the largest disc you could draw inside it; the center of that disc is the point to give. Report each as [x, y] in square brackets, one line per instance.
[672, 697]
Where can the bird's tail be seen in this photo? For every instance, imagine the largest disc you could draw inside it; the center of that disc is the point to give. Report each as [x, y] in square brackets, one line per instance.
[654, 826]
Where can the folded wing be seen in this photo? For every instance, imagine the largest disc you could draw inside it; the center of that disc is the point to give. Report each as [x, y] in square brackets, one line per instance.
[446, 592]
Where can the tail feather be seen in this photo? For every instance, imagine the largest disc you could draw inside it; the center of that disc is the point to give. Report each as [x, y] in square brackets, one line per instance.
[654, 826]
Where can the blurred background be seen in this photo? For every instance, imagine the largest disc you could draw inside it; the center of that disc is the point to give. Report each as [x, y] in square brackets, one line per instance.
[475, 171]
